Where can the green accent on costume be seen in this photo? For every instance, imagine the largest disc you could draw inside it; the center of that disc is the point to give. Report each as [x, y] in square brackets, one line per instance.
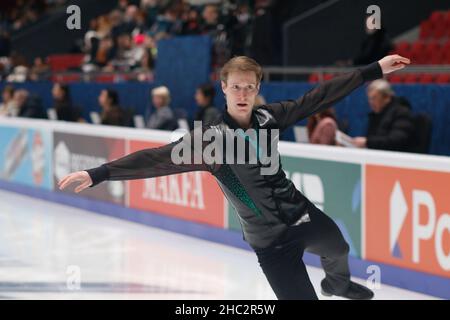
[228, 178]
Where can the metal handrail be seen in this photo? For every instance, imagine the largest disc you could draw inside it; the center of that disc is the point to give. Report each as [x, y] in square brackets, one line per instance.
[321, 70]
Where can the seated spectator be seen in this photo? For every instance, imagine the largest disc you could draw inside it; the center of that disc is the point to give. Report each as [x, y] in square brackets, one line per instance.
[62, 104]
[29, 106]
[166, 25]
[39, 69]
[191, 22]
[162, 117]
[112, 113]
[151, 9]
[391, 124]
[322, 128]
[8, 107]
[210, 19]
[204, 96]
[19, 74]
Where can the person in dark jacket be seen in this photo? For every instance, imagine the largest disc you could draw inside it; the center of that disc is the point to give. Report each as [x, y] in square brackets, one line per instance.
[391, 123]
[204, 96]
[277, 220]
[112, 113]
[65, 111]
[162, 117]
[29, 105]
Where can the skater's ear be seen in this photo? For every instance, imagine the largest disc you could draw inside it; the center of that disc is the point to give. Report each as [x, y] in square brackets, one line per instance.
[223, 85]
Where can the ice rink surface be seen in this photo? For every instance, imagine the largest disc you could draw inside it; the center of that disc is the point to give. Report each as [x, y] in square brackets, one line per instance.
[45, 248]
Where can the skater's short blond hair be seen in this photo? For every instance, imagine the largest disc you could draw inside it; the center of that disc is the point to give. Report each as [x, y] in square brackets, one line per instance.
[242, 64]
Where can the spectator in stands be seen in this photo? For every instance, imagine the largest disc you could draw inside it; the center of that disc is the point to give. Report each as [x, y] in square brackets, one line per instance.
[322, 128]
[124, 58]
[191, 22]
[167, 24]
[204, 96]
[391, 124]
[112, 113]
[8, 108]
[130, 19]
[146, 66]
[151, 9]
[29, 106]
[240, 30]
[210, 19]
[39, 69]
[163, 117]
[65, 111]
[104, 53]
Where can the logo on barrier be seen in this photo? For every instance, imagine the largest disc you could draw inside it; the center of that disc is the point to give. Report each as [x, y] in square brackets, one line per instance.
[407, 218]
[310, 185]
[73, 152]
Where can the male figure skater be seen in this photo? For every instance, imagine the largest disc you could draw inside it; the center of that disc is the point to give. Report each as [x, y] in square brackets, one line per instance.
[277, 220]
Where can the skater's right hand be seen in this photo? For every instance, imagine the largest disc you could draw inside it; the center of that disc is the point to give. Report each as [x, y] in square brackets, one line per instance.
[393, 63]
[82, 177]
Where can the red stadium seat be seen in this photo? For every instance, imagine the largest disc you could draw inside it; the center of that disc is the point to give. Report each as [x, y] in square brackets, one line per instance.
[437, 57]
[437, 16]
[426, 29]
[327, 76]
[105, 78]
[396, 78]
[426, 78]
[313, 78]
[445, 58]
[442, 78]
[64, 62]
[418, 52]
[432, 53]
[411, 78]
[439, 30]
[402, 48]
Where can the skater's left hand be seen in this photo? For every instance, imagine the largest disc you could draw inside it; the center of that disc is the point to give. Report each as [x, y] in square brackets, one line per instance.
[393, 63]
[82, 178]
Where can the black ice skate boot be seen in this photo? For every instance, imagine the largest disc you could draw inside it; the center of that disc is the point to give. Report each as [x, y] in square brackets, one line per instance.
[355, 291]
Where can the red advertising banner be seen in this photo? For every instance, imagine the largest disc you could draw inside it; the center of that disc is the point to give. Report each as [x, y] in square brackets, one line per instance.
[407, 218]
[193, 196]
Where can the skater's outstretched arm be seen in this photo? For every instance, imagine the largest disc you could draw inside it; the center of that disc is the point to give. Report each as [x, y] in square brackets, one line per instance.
[146, 163]
[328, 93]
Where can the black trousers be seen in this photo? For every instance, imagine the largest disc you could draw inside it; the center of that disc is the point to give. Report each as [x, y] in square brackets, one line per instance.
[283, 265]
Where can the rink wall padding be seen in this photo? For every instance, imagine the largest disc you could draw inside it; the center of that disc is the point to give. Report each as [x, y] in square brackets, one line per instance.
[392, 208]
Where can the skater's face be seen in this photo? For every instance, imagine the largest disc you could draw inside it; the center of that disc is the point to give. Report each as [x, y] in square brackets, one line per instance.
[240, 89]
